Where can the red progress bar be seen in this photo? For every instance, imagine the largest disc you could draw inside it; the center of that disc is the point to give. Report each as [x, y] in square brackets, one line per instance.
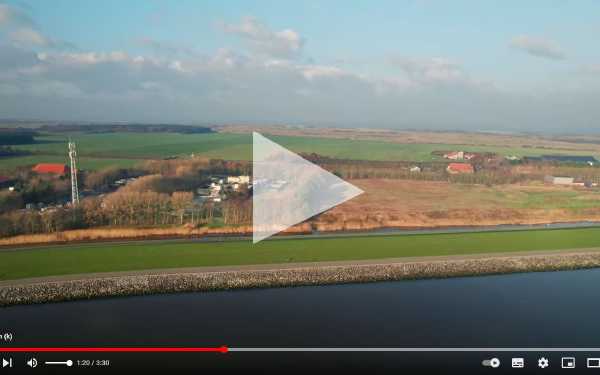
[221, 349]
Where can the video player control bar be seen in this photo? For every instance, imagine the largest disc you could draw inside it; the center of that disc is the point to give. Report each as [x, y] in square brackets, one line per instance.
[226, 349]
[388, 349]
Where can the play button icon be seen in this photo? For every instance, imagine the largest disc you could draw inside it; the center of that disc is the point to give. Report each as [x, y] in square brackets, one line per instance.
[288, 189]
[7, 362]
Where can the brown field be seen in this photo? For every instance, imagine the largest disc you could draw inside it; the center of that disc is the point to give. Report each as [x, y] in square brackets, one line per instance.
[393, 203]
[404, 203]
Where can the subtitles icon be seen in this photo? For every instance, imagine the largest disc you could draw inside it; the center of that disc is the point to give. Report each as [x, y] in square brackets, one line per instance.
[518, 362]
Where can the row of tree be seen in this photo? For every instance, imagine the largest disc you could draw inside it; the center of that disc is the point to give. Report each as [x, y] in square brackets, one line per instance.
[126, 209]
[491, 176]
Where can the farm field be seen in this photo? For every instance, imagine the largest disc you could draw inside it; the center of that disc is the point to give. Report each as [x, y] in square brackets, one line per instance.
[121, 148]
[140, 145]
[75, 259]
[85, 162]
[406, 203]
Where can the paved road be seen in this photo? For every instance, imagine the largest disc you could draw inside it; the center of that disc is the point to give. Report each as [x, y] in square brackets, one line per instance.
[287, 266]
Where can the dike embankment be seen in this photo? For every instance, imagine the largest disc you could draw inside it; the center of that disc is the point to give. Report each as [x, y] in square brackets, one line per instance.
[28, 292]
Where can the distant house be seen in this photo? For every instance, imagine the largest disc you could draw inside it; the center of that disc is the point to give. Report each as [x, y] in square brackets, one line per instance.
[456, 168]
[560, 180]
[51, 168]
[459, 155]
[238, 179]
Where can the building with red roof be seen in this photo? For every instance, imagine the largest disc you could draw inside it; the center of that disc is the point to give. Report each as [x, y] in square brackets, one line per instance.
[455, 168]
[51, 168]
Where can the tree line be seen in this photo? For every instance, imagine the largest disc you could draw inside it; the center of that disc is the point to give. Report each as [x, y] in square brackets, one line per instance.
[126, 209]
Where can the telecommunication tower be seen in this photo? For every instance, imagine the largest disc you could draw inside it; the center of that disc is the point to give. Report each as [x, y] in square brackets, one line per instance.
[73, 160]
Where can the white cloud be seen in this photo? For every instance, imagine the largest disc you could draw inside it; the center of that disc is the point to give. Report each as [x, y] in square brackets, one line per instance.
[22, 31]
[226, 58]
[229, 86]
[26, 35]
[4, 14]
[10, 15]
[166, 48]
[590, 68]
[283, 44]
[430, 70]
[311, 72]
[89, 58]
[538, 47]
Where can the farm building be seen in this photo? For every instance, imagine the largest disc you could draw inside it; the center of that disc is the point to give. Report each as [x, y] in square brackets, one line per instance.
[238, 179]
[455, 168]
[459, 155]
[559, 180]
[51, 168]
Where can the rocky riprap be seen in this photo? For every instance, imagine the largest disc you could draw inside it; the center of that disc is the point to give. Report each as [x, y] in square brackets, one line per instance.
[55, 291]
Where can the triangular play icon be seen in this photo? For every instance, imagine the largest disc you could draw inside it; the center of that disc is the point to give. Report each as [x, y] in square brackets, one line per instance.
[288, 189]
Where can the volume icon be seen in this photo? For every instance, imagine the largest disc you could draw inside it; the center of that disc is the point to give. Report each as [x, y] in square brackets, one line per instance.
[32, 363]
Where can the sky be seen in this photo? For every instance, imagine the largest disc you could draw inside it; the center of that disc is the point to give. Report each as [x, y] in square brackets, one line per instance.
[413, 64]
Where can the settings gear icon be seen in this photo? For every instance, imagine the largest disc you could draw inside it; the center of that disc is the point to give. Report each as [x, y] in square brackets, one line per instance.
[543, 362]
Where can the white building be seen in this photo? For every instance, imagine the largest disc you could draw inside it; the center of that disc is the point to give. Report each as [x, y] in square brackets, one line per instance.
[238, 180]
[560, 180]
[459, 155]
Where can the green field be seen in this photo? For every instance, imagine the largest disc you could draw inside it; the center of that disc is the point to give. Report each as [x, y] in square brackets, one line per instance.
[62, 260]
[144, 145]
[86, 163]
[573, 200]
[125, 149]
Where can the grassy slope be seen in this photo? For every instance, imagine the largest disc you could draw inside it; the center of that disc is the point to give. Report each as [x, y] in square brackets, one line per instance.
[114, 257]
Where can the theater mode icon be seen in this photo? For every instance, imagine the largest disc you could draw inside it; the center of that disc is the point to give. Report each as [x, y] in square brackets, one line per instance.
[593, 363]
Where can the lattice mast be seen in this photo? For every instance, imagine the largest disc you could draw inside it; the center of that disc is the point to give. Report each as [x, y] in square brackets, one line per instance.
[73, 161]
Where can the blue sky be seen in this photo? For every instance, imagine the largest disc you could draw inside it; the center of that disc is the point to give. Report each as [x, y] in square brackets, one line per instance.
[486, 65]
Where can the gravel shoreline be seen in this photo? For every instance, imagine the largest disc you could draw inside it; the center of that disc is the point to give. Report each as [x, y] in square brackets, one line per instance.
[57, 291]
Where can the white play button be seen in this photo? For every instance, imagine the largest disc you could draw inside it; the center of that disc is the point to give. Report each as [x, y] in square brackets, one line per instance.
[288, 189]
[6, 363]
